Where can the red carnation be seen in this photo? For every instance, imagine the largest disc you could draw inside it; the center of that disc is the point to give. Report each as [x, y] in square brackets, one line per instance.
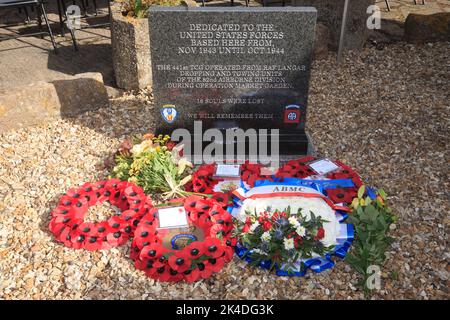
[267, 225]
[320, 234]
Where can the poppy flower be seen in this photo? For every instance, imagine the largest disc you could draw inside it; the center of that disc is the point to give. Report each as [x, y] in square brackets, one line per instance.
[204, 221]
[195, 249]
[213, 247]
[102, 228]
[67, 221]
[89, 193]
[205, 269]
[94, 242]
[78, 239]
[134, 251]
[112, 183]
[75, 193]
[254, 167]
[162, 273]
[133, 192]
[146, 265]
[203, 205]
[191, 202]
[117, 238]
[149, 218]
[202, 174]
[79, 205]
[229, 252]
[87, 228]
[216, 264]
[221, 198]
[201, 186]
[341, 195]
[117, 223]
[66, 236]
[191, 275]
[180, 261]
[216, 231]
[143, 235]
[56, 227]
[152, 251]
[62, 212]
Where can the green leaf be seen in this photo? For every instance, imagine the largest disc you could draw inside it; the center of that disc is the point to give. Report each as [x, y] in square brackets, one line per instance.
[382, 194]
[361, 191]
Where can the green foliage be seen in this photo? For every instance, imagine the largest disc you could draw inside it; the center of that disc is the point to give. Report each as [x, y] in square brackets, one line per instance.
[371, 219]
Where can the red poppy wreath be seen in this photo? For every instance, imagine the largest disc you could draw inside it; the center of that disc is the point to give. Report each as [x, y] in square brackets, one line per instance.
[68, 224]
[203, 181]
[197, 259]
[301, 169]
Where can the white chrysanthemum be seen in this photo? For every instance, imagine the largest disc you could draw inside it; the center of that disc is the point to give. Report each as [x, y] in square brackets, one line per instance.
[306, 205]
[254, 226]
[293, 221]
[288, 243]
[137, 149]
[301, 231]
[266, 236]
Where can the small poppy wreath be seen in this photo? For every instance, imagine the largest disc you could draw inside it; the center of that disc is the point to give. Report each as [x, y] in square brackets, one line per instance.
[199, 259]
[203, 182]
[300, 168]
[68, 226]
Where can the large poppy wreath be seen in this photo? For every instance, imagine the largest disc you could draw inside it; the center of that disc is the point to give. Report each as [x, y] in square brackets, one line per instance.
[299, 168]
[199, 259]
[203, 182]
[70, 228]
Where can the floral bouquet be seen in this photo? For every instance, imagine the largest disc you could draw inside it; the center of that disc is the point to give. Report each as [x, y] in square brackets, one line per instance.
[289, 228]
[154, 163]
[282, 237]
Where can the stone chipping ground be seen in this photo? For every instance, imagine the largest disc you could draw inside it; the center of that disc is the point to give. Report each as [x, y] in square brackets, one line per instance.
[384, 112]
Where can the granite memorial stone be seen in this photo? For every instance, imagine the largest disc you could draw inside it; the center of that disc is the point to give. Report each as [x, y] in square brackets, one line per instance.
[233, 68]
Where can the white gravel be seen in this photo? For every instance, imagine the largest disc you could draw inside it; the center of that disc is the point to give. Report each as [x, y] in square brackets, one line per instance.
[386, 113]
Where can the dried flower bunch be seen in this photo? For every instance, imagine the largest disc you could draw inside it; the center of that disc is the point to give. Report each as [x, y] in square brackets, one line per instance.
[153, 163]
[139, 8]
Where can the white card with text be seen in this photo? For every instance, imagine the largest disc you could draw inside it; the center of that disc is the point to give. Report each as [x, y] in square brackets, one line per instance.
[227, 170]
[174, 217]
[323, 166]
